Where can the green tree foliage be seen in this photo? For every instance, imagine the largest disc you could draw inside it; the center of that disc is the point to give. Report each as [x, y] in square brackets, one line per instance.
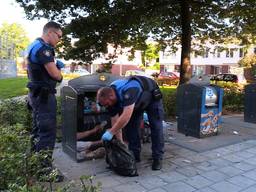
[95, 24]
[248, 61]
[242, 18]
[13, 37]
[152, 53]
[150, 56]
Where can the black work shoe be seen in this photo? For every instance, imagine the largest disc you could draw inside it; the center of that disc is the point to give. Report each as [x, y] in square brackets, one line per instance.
[52, 175]
[157, 164]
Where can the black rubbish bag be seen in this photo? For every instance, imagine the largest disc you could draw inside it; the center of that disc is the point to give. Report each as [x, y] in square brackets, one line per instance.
[119, 158]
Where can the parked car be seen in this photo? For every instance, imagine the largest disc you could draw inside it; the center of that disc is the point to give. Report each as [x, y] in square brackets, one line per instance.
[229, 77]
[168, 78]
[81, 72]
[136, 72]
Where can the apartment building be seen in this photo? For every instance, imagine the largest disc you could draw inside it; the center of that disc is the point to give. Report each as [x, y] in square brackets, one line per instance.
[211, 59]
[208, 60]
[121, 62]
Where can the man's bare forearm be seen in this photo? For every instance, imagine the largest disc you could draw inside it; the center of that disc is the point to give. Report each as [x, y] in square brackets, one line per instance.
[87, 133]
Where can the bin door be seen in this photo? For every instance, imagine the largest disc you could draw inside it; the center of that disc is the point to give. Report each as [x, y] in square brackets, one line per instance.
[69, 120]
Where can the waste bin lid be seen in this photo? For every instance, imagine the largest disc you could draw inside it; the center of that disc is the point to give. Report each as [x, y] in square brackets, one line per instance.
[202, 80]
[92, 82]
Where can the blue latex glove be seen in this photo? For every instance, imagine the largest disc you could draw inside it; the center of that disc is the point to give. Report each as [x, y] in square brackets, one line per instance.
[60, 64]
[107, 136]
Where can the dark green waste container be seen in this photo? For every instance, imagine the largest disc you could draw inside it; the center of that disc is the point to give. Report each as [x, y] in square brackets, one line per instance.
[77, 99]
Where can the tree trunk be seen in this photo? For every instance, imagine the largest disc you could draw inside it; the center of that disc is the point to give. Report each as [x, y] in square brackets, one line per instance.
[185, 72]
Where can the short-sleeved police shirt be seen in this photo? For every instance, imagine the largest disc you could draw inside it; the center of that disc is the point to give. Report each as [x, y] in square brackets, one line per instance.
[130, 96]
[45, 54]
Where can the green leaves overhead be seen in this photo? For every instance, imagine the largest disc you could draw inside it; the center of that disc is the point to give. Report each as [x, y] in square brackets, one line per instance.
[93, 24]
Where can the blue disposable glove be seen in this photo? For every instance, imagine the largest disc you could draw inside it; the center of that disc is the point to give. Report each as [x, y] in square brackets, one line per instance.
[107, 136]
[60, 64]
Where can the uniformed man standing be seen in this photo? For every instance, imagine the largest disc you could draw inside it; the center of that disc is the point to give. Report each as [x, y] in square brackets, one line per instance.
[126, 100]
[43, 73]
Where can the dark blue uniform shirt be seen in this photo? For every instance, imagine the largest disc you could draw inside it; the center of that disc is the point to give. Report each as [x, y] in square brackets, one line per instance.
[40, 53]
[45, 54]
[130, 96]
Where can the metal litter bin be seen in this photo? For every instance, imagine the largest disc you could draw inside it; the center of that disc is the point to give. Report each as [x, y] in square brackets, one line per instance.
[76, 102]
[199, 108]
[250, 103]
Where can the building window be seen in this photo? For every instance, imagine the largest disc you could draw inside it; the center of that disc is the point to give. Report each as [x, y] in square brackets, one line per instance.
[214, 70]
[206, 53]
[241, 52]
[227, 53]
[231, 53]
[195, 54]
[168, 54]
[214, 53]
[218, 52]
[198, 70]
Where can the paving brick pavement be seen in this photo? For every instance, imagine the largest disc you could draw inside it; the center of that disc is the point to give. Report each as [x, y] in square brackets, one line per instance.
[226, 169]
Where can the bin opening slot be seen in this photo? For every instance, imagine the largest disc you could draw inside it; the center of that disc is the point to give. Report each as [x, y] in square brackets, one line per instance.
[90, 104]
[93, 115]
[211, 105]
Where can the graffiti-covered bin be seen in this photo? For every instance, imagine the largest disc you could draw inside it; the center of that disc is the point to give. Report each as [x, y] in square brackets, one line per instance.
[199, 109]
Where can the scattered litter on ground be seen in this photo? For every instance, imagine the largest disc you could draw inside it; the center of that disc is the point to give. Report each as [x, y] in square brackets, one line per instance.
[235, 132]
[171, 138]
[186, 161]
[167, 123]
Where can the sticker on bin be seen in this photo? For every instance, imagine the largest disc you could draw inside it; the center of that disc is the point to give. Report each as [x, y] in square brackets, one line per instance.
[209, 92]
[210, 96]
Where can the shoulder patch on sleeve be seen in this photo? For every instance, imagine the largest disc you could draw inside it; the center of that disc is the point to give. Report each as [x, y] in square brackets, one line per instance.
[47, 53]
[126, 95]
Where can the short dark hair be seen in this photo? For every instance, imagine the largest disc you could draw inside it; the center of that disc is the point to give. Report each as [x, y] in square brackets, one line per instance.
[104, 92]
[51, 24]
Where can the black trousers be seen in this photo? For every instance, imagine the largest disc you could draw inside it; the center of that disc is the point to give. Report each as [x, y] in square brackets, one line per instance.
[132, 130]
[43, 132]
